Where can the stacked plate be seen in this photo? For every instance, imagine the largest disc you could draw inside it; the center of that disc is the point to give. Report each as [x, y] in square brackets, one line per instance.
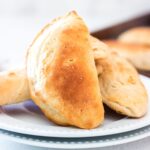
[25, 123]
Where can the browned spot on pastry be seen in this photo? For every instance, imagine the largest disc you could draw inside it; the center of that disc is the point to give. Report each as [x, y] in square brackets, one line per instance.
[69, 80]
[131, 80]
[12, 74]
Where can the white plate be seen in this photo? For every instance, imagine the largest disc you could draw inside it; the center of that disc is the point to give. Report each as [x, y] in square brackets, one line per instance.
[77, 143]
[26, 118]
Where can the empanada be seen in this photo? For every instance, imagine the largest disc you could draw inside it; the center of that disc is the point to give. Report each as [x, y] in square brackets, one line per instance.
[137, 35]
[120, 85]
[62, 74]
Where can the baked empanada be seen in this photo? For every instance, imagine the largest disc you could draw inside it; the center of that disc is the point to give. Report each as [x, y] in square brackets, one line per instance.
[120, 84]
[62, 74]
[137, 35]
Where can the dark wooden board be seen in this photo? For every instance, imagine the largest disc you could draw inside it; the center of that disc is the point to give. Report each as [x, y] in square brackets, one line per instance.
[115, 30]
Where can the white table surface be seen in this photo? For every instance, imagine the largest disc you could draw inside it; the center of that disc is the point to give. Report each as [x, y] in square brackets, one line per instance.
[21, 20]
[17, 29]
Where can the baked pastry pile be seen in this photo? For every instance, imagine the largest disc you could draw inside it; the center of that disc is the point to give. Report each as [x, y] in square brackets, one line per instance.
[69, 74]
[134, 45]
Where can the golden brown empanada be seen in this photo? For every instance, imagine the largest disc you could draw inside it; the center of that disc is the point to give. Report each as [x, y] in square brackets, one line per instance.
[120, 85]
[62, 74]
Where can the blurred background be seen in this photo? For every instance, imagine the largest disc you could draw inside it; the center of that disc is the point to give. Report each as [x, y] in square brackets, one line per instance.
[20, 20]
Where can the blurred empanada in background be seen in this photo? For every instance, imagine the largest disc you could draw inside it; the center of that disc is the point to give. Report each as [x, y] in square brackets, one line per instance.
[137, 35]
[137, 54]
[134, 45]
